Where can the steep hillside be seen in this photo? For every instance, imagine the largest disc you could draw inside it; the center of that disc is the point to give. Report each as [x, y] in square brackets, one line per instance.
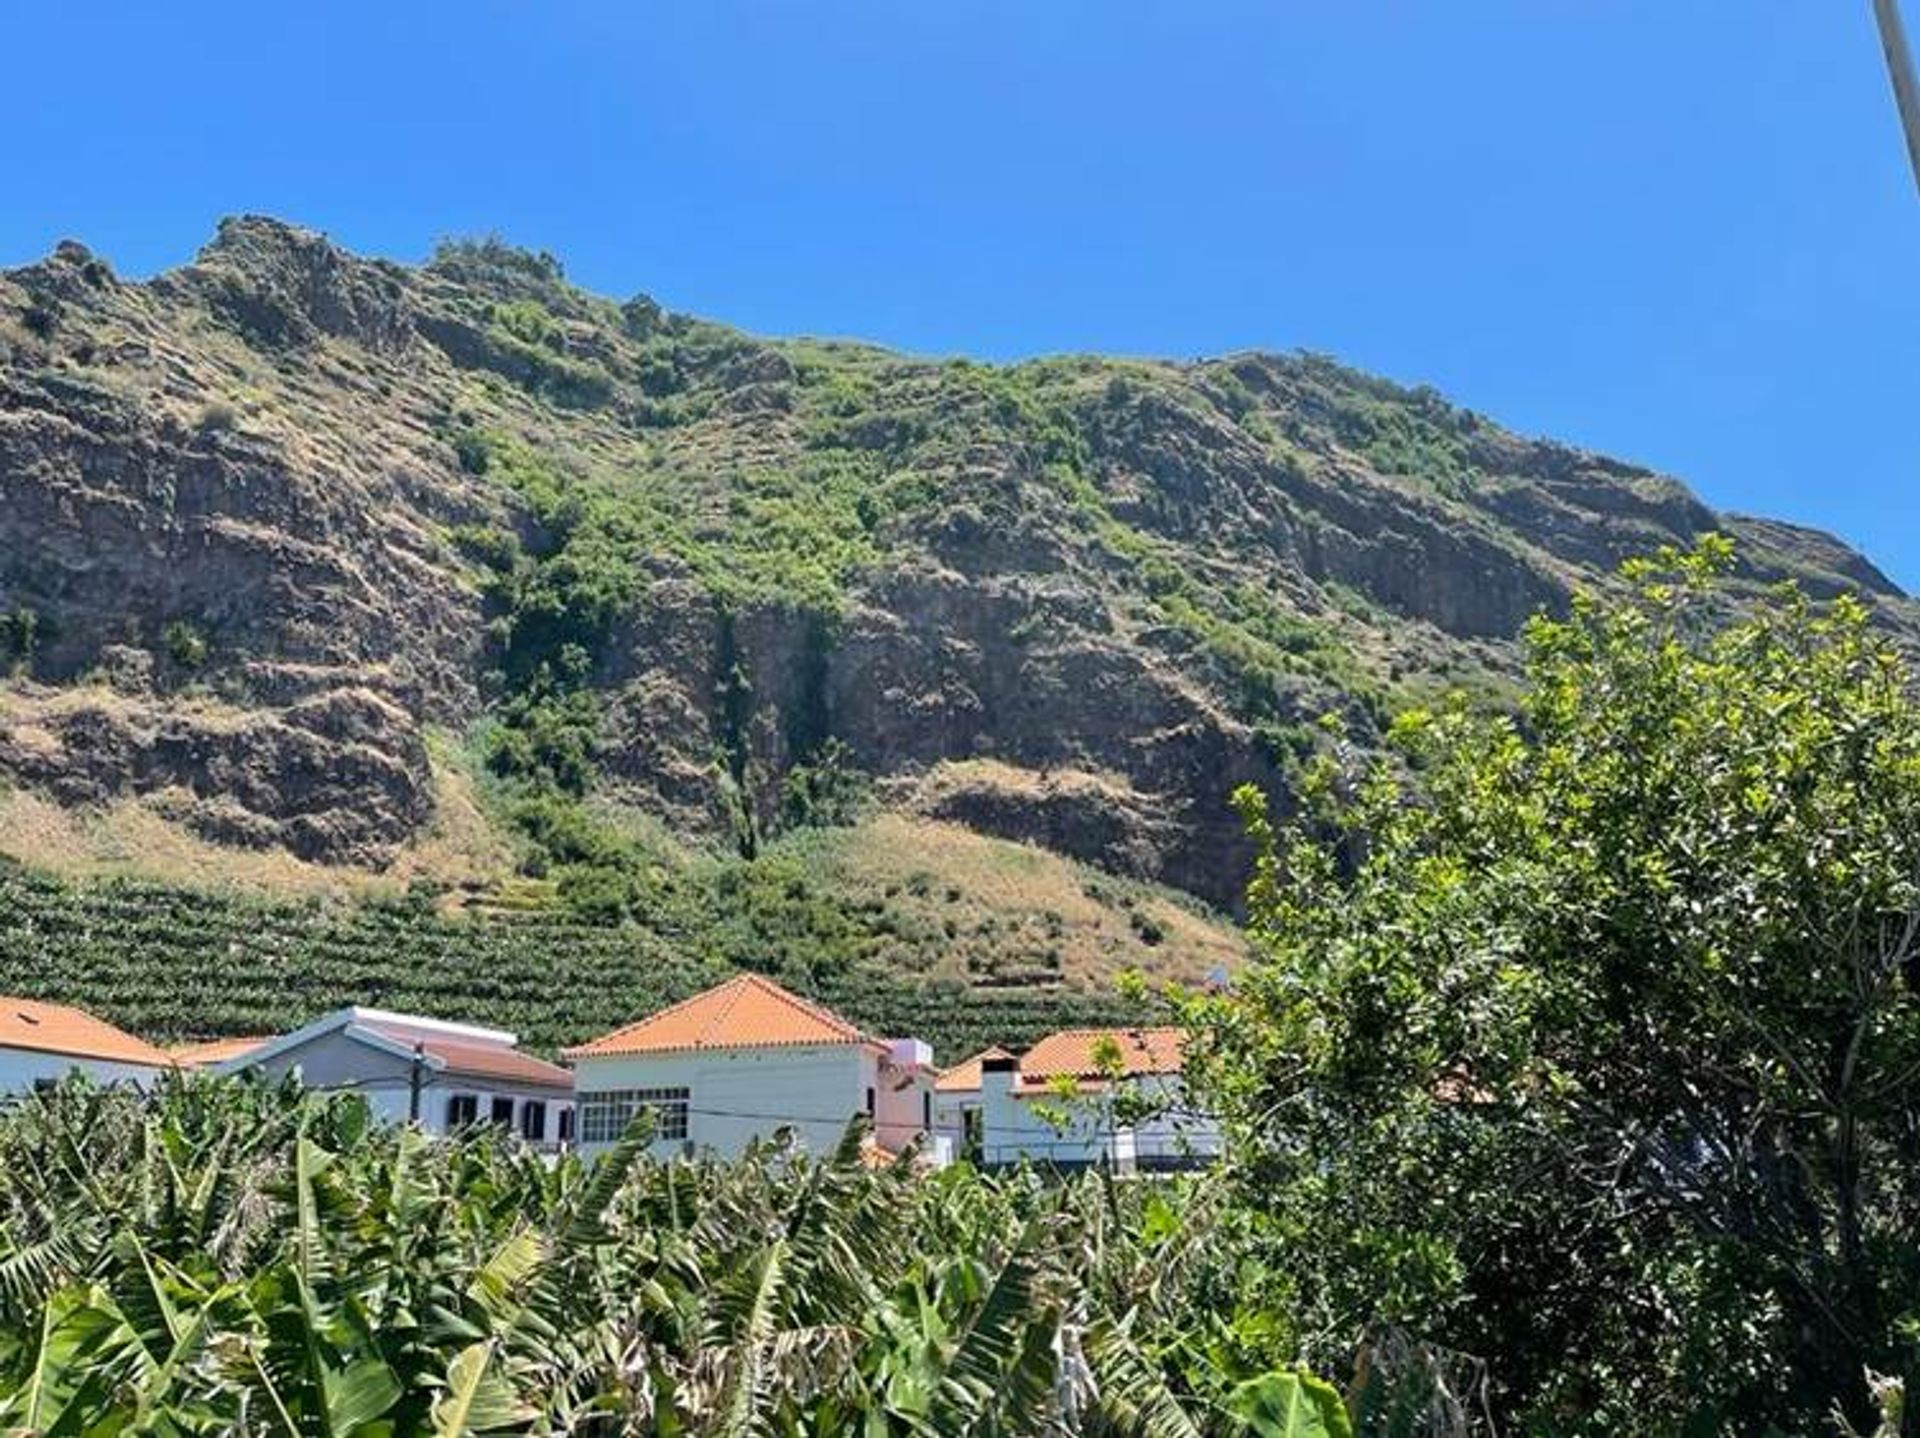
[457, 575]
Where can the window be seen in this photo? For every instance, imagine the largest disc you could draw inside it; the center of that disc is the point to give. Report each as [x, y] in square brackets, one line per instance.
[533, 1120]
[972, 1134]
[926, 1109]
[566, 1125]
[463, 1110]
[870, 1105]
[605, 1116]
[503, 1112]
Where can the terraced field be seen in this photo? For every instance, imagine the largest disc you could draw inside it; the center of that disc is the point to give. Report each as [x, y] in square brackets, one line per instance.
[173, 963]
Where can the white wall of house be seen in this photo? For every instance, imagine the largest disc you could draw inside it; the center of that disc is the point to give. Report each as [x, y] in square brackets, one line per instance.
[21, 1069]
[1176, 1136]
[1017, 1128]
[903, 1094]
[950, 1110]
[732, 1096]
[336, 1060]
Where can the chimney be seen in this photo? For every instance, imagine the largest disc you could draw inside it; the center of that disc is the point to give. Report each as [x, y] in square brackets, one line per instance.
[1000, 1119]
[910, 1053]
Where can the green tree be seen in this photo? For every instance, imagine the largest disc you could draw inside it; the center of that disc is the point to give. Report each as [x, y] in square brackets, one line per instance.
[1586, 1040]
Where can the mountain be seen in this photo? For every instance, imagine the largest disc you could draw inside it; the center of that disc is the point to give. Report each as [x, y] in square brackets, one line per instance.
[324, 575]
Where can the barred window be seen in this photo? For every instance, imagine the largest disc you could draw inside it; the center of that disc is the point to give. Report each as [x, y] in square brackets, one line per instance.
[605, 1116]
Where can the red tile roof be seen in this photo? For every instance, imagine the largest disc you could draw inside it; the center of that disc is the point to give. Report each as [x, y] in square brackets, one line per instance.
[57, 1029]
[964, 1077]
[1075, 1054]
[746, 1012]
[214, 1051]
[469, 1059]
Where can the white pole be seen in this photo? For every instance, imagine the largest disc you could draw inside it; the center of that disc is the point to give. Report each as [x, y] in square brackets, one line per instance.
[1906, 92]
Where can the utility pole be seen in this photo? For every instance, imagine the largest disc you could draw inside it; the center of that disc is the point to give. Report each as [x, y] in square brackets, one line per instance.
[415, 1073]
[1906, 90]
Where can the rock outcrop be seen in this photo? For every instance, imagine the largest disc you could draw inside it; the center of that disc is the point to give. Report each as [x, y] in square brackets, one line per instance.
[264, 521]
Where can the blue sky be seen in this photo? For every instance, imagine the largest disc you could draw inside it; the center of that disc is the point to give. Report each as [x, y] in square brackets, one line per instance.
[1678, 230]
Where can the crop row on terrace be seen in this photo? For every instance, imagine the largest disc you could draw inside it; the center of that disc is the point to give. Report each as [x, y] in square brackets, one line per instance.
[175, 963]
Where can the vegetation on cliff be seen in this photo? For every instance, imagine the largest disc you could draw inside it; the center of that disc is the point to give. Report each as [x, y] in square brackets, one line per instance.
[650, 561]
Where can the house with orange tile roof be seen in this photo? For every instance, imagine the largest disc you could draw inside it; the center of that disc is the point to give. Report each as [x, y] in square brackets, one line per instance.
[42, 1043]
[1086, 1098]
[443, 1076]
[743, 1060]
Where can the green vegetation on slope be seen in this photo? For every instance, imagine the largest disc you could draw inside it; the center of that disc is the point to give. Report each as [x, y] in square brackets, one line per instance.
[171, 962]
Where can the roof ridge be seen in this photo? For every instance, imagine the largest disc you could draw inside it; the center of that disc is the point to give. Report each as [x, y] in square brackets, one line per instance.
[809, 1007]
[705, 1019]
[646, 1019]
[734, 989]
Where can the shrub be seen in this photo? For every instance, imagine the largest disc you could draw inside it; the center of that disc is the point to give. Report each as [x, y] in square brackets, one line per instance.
[470, 448]
[41, 319]
[217, 414]
[20, 632]
[185, 643]
[827, 791]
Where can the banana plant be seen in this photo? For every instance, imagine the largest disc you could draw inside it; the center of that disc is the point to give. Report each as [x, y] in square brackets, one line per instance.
[238, 1258]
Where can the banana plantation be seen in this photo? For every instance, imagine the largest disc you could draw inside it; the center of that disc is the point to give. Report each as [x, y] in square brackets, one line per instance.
[231, 1258]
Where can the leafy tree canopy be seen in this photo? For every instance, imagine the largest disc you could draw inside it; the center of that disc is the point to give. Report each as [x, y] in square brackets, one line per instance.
[1585, 1040]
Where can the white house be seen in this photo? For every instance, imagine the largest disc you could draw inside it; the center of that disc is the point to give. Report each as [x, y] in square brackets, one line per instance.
[42, 1043]
[746, 1058]
[1056, 1103]
[956, 1104]
[445, 1076]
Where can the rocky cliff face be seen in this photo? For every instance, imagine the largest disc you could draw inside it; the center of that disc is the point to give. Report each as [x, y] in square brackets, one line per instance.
[267, 519]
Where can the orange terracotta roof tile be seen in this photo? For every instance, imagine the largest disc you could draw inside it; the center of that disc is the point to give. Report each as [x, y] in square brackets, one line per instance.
[1074, 1054]
[746, 1012]
[964, 1077]
[214, 1051]
[57, 1029]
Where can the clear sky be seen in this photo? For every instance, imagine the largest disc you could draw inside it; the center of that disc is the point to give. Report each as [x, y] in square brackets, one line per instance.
[1678, 230]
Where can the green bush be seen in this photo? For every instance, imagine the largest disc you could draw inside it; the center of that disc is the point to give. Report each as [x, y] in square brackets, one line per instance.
[825, 791]
[470, 448]
[20, 632]
[186, 645]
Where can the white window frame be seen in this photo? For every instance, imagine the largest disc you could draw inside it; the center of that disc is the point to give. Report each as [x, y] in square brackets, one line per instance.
[604, 1115]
